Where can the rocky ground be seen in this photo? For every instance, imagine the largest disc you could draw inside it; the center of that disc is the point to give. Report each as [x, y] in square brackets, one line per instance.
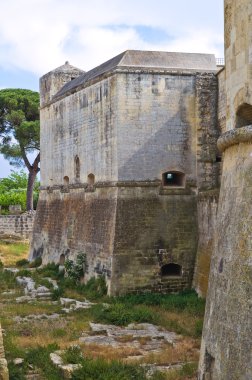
[39, 317]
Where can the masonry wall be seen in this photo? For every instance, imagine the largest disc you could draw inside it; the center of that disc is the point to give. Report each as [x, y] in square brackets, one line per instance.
[68, 223]
[18, 225]
[83, 125]
[226, 342]
[4, 374]
[207, 204]
[127, 129]
[154, 229]
[238, 44]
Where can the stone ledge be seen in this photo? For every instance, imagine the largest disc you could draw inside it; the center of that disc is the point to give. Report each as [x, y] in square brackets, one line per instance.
[235, 136]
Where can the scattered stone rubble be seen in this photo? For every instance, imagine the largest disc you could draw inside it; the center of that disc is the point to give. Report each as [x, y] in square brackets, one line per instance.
[72, 304]
[145, 337]
[66, 369]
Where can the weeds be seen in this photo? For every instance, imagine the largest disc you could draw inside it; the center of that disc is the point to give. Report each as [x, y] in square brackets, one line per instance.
[121, 315]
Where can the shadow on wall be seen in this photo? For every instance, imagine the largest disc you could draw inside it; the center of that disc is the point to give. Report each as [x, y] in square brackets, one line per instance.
[176, 131]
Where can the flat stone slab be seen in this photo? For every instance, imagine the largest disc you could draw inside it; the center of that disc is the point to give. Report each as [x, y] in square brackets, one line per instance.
[72, 304]
[144, 337]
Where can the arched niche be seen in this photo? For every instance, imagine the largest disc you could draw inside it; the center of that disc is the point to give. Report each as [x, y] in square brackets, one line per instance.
[171, 269]
[66, 180]
[244, 115]
[91, 179]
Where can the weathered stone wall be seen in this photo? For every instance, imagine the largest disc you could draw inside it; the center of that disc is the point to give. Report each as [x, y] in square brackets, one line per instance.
[222, 101]
[127, 128]
[226, 343]
[154, 229]
[84, 125]
[207, 204]
[238, 57]
[4, 374]
[17, 225]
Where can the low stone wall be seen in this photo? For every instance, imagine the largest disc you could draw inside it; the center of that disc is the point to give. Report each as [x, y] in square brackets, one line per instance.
[4, 374]
[17, 225]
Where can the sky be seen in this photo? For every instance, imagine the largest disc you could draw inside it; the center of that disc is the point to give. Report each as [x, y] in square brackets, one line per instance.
[37, 36]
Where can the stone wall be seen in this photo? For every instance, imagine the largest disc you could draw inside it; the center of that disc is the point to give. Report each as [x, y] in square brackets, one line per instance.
[4, 374]
[128, 127]
[17, 225]
[226, 342]
[207, 204]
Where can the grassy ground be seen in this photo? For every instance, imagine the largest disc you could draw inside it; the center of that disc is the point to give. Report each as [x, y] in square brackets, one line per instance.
[34, 340]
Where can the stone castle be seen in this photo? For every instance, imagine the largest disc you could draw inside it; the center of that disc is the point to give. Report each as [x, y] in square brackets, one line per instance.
[146, 167]
[128, 151]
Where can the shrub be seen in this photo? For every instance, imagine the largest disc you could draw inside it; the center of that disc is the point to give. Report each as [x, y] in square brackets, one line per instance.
[35, 263]
[76, 270]
[22, 263]
[121, 315]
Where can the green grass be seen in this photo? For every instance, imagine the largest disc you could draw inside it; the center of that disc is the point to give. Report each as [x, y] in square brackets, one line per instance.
[121, 315]
[188, 301]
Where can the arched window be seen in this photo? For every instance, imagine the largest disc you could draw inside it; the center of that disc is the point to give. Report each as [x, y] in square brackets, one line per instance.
[77, 168]
[62, 259]
[171, 270]
[91, 179]
[66, 180]
[244, 115]
[173, 178]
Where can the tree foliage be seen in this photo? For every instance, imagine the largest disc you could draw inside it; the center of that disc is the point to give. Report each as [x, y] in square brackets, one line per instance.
[13, 190]
[19, 132]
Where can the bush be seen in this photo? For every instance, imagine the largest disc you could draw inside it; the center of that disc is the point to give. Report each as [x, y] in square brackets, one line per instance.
[22, 263]
[35, 263]
[76, 270]
[121, 315]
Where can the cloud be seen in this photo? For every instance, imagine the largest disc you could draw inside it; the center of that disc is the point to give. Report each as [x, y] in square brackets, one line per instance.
[39, 35]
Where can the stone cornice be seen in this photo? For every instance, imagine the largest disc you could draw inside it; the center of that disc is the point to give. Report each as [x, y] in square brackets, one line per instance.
[235, 136]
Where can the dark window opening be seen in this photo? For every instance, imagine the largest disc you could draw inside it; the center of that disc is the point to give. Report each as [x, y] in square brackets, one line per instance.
[173, 179]
[66, 180]
[244, 115]
[171, 270]
[91, 179]
[62, 259]
[218, 158]
[77, 168]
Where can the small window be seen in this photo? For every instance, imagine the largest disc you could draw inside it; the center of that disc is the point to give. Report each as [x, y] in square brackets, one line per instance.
[244, 115]
[173, 179]
[171, 270]
[77, 168]
[66, 180]
[91, 179]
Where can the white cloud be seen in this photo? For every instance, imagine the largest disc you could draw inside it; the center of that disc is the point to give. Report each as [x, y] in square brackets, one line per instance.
[39, 35]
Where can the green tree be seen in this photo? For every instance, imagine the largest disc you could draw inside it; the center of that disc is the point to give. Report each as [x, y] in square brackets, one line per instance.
[13, 190]
[19, 132]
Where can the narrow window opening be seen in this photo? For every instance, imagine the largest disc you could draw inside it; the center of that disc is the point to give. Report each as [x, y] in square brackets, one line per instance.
[91, 179]
[218, 158]
[173, 179]
[66, 180]
[77, 168]
[171, 270]
[62, 259]
[244, 115]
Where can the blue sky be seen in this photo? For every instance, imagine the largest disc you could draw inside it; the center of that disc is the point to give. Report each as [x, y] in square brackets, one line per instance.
[36, 36]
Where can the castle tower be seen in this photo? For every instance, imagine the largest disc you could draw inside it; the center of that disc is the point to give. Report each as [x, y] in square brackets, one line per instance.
[53, 81]
[226, 342]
